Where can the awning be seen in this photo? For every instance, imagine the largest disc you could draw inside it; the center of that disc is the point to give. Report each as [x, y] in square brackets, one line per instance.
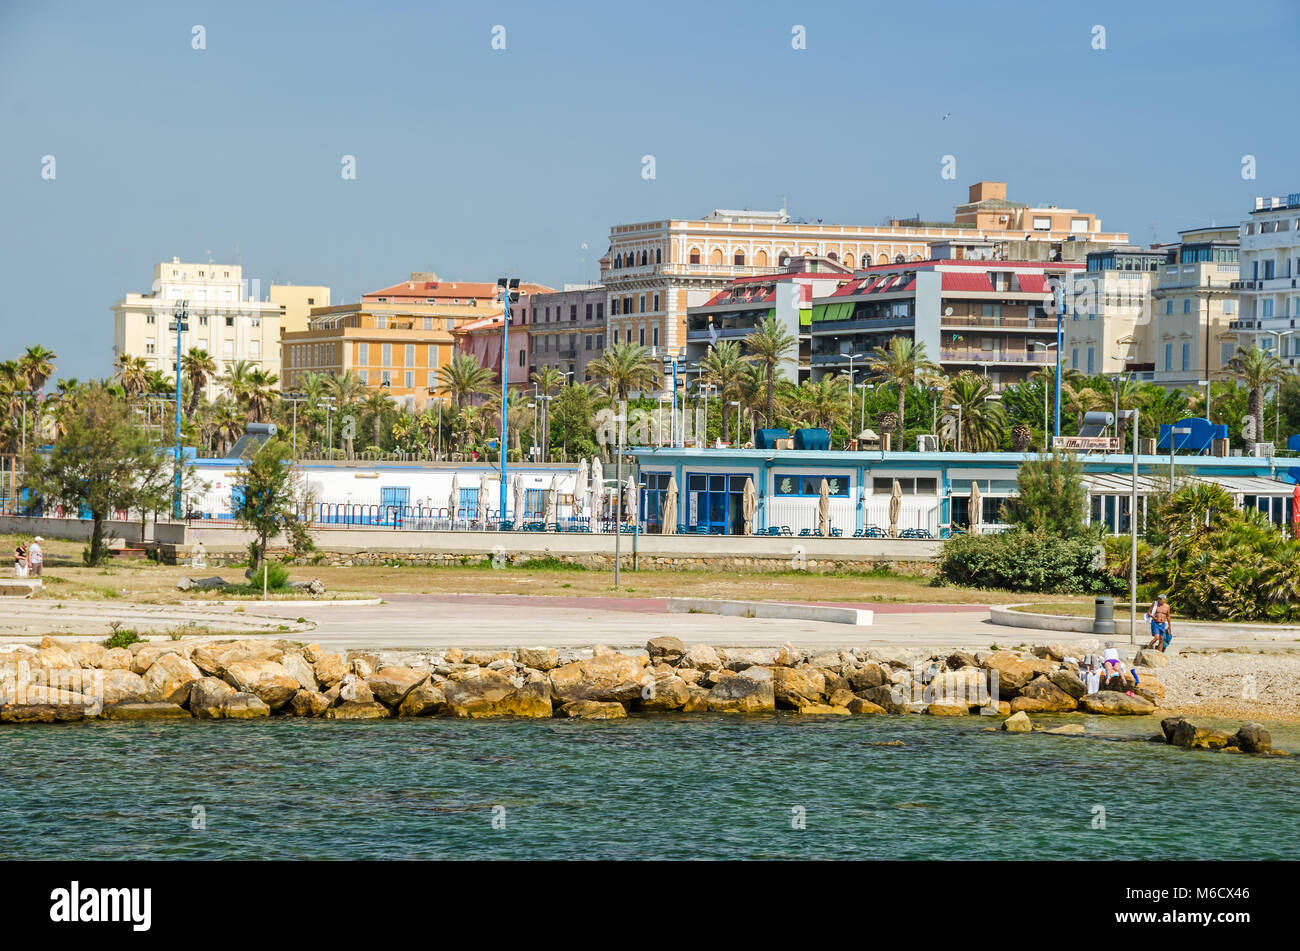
[1115, 484]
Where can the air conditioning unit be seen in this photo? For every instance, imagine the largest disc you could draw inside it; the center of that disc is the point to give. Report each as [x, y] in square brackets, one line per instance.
[927, 443]
[1262, 449]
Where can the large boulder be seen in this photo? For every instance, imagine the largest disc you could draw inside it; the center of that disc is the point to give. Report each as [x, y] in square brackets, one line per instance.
[34, 704]
[116, 658]
[701, 657]
[475, 692]
[1018, 722]
[868, 676]
[1013, 670]
[122, 686]
[1052, 652]
[244, 706]
[858, 705]
[168, 679]
[825, 709]
[309, 703]
[1041, 695]
[329, 669]
[890, 699]
[147, 655]
[670, 692]
[1114, 703]
[740, 658]
[959, 659]
[264, 679]
[427, 699]
[697, 699]
[56, 658]
[87, 654]
[1190, 736]
[390, 685]
[207, 695]
[750, 691]
[965, 685]
[948, 708]
[665, 650]
[300, 670]
[796, 686]
[1253, 738]
[1069, 683]
[617, 677]
[357, 710]
[593, 710]
[538, 658]
[1151, 658]
[146, 711]
[530, 700]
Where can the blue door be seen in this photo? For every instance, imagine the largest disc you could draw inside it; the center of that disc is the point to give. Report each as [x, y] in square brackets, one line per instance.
[715, 504]
[394, 500]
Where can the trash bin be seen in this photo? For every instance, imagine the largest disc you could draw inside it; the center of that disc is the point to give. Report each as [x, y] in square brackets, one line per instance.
[1103, 618]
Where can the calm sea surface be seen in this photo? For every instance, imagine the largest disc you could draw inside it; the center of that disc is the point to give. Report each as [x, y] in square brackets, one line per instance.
[667, 787]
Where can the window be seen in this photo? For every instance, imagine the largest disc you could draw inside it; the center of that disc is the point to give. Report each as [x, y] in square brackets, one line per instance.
[451, 323]
[907, 485]
[1187, 305]
[1169, 306]
[230, 321]
[310, 301]
[1074, 358]
[1169, 356]
[255, 349]
[228, 349]
[694, 256]
[1229, 306]
[386, 377]
[363, 354]
[1187, 355]
[203, 320]
[432, 380]
[1226, 351]
[255, 321]
[587, 342]
[386, 355]
[589, 312]
[805, 485]
[1266, 307]
[613, 307]
[1091, 367]
[409, 379]
[433, 355]
[655, 334]
[521, 359]
[148, 344]
[641, 336]
[656, 303]
[364, 375]
[1042, 224]
[410, 354]
[643, 303]
[739, 259]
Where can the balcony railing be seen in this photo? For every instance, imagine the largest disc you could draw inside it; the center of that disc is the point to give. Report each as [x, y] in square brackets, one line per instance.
[1024, 323]
[995, 356]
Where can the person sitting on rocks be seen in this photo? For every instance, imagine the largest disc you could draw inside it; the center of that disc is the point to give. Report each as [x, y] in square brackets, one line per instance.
[1112, 668]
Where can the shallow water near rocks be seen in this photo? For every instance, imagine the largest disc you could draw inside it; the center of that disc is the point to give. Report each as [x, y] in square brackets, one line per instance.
[664, 787]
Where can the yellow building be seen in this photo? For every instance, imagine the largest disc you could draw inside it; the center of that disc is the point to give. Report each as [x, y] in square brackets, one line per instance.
[296, 302]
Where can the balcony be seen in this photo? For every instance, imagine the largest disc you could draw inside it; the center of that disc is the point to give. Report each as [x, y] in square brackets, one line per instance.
[1043, 324]
[1037, 357]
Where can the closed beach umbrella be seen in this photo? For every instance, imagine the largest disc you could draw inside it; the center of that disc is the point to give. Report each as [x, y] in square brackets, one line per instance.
[629, 505]
[520, 497]
[484, 493]
[975, 507]
[895, 503]
[824, 509]
[597, 488]
[453, 501]
[670, 508]
[580, 489]
[748, 502]
[552, 498]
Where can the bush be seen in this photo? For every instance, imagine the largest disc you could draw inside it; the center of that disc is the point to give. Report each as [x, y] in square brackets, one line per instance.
[122, 637]
[277, 576]
[1018, 560]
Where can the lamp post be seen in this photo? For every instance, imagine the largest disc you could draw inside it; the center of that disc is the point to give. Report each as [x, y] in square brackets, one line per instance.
[180, 325]
[957, 407]
[862, 406]
[619, 421]
[328, 403]
[1060, 337]
[295, 399]
[736, 403]
[1132, 414]
[1277, 392]
[1049, 346]
[509, 294]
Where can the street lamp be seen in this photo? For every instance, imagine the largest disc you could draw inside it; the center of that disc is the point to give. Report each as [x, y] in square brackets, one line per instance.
[295, 399]
[1047, 346]
[1132, 414]
[736, 403]
[328, 403]
[180, 325]
[862, 405]
[509, 295]
[957, 407]
[1277, 396]
[1175, 431]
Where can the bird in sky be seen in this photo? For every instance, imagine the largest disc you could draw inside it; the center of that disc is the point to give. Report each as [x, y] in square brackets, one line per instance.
[946, 115]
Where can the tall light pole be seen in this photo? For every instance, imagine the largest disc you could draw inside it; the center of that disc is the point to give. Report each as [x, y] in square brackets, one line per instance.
[1060, 343]
[509, 294]
[1277, 390]
[1049, 346]
[1132, 414]
[180, 326]
[620, 420]
[295, 399]
[328, 403]
[736, 403]
[957, 407]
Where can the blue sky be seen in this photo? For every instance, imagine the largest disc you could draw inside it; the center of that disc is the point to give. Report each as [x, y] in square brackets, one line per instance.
[471, 161]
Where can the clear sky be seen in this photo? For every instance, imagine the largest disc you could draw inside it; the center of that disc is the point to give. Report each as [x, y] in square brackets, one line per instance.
[471, 161]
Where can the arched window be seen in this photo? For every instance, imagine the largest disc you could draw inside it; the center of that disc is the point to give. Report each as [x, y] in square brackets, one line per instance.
[760, 258]
[882, 259]
[848, 261]
[643, 258]
[783, 258]
[695, 256]
[900, 258]
[738, 259]
[833, 256]
[716, 256]
[658, 256]
[618, 260]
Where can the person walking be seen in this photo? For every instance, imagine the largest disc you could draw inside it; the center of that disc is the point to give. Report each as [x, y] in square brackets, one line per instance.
[20, 560]
[35, 557]
[1161, 625]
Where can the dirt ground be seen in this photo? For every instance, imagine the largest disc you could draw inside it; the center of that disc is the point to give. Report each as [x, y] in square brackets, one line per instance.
[143, 581]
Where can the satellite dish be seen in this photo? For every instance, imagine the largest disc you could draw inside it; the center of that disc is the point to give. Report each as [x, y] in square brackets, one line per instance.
[947, 311]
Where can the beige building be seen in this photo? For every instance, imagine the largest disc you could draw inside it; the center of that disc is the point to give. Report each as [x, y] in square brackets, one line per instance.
[654, 271]
[1109, 309]
[1191, 335]
[226, 319]
[296, 303]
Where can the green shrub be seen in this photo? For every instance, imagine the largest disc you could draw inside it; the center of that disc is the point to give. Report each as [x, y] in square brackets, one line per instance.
[277, 577]
[122, 637]
[1018, 560]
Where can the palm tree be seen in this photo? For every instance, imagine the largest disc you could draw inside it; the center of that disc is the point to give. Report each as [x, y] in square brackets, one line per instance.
[133, 374]
[226, 426]
[622, 368]
[1080, 400]
[768, 345]
[723, 366]
[345, 388]
[823, 403]
[900, 363]
[200, 368]
[465, 378]
[547, 380]
[1256, 369]
[36, 366]
[981, 420]
[375, 404]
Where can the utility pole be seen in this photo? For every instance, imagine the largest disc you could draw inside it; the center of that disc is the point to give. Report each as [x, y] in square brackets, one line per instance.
[180, 326]
[1132, 414]
[1060, 343]
[509, 295]
[620, 420]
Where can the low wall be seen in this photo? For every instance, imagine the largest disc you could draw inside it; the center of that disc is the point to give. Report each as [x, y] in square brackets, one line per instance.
[78, 530]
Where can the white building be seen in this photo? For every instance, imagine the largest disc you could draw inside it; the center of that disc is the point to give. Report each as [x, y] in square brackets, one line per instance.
[1269, 288]
[225, 319]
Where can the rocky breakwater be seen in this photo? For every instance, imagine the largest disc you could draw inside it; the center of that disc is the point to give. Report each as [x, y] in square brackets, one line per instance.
[242, 679]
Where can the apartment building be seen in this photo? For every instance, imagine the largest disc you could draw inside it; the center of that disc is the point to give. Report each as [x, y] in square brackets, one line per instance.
[226, 318]
[991, 316]
[296, 303]
[654, 272]
[566, 329]
[1109, 310]
[1190, 337]
[1268, 287]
